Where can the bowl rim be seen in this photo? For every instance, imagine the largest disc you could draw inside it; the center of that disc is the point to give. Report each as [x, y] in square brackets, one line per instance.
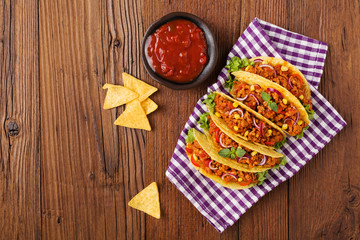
[212, 50]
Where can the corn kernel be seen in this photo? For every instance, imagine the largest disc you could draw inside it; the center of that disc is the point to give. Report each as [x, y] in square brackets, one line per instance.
[253, 153]
[301, 97]
[236, 116]
[284, 101]
[195, 157]
[217, 114]
[240, 179]
[269, 132]
[284, 69]
[284, 126]
[236, 128]
[246, 133]
[247, 68]
[300, 122]
[235, 104]
[252, 88]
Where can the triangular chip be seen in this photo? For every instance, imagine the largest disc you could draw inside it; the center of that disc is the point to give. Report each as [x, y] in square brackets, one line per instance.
[147, 201]
[133, 117]
[143, 89]
[117, 95]
[149, 106]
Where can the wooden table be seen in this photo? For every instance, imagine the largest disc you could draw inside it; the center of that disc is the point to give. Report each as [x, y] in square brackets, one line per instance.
[67, 172]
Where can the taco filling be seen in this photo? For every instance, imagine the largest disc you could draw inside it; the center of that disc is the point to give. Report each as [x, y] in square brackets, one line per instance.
[271, 104]
[241, 154]
[199, 158]
[243, 122]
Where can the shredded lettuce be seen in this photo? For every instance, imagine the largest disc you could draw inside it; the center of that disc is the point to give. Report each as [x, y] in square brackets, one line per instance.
[230, 82]
[210, 101]
[235, 64]
[190, 138]
[283, 162]
[261, 177]
[278, 145]
[300, 135]
[309, 112]
[204, 121]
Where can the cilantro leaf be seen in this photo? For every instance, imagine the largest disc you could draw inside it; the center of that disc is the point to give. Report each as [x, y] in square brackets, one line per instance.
[190, 137]
[273, 106]
[235, 64]
[278, 145]
[225, 152]
[204, 121]
[300, 135]
[210, 101]
[261, 177]
[240, 152]
[309, 112]
[266, 97]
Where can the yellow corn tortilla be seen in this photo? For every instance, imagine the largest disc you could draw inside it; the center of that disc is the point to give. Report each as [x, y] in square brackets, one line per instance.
[149, 106]
[117, 95]
[133, 117]
[143, 89]
[251, 78]
[257, 115]
[147, 201]
[278, 61]
[204, 143]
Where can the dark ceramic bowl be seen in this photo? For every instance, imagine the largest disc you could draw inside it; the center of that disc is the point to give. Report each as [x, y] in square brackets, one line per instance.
[212, 52]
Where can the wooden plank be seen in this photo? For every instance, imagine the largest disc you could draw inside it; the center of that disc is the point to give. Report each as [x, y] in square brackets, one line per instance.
[20, 210]
[324, 196]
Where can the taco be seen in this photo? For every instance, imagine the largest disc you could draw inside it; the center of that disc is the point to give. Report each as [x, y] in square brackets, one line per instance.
[244, 122]
[219, 169]
[249, 156]
[278, 71]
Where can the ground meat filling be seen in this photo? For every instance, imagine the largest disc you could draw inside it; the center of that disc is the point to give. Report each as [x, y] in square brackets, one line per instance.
[244, 125]
[249, 158]
[286, 110]
[203, 160]
[282, 78]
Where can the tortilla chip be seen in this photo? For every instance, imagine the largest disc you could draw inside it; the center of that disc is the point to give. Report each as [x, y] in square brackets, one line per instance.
[117, 95]
[147, 201]
[133, 117]
[143, 89]
[149, 106]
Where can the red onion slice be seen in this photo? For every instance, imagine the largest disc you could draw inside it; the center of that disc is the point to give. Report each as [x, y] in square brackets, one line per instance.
[261, 128]
[288, 118]
[257, 100]
[258, 60]
[297, 115]
[289, 82]
[263, 161]
[243, 157]
[228, 174]
[221, 142]
[275, 91]
[257, 126]
[244, 98]
[269, 66]
[212, 168]
[237, 110]
[256, 85]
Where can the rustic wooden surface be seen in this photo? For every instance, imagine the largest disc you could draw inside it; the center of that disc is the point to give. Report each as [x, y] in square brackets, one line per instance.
[66, 172]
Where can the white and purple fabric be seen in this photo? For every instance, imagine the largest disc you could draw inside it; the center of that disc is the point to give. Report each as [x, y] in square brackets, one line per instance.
[222, 207]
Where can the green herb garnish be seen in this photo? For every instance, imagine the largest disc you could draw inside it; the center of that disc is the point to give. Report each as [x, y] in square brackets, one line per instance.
[261, 177]
[266, 97]
[309, 112]
[235, 64]
[204, 121]
[230, 82]
[210, 101]
[300, 135]
[232, 153]
[283, 162]
[190, 137]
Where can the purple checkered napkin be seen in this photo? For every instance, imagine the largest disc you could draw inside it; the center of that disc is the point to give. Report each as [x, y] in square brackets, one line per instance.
[222, 207]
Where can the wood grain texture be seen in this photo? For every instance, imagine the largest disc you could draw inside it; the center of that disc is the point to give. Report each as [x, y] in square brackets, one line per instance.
[66, 172]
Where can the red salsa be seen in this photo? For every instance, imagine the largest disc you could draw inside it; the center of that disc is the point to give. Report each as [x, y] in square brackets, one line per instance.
[177, 51]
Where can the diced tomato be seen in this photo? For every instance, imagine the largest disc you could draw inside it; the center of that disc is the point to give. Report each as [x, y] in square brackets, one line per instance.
[217, 138]
[298, 77]
[188, 150]
[270, 143]
[193, 161]
[230, 105]
[206, 162]
[245, 183]
[202, 154]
